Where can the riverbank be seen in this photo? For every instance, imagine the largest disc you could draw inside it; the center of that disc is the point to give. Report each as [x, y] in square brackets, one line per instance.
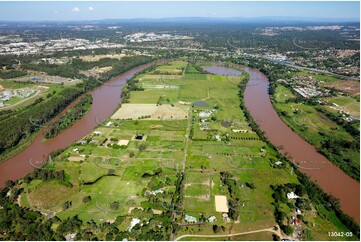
[106, 99]
[256, 89]
[75, 113]
[327, 136]
[321, 171]
[16, 127]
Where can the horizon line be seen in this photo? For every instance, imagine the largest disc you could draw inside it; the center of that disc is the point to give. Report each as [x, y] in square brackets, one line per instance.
[292, 18]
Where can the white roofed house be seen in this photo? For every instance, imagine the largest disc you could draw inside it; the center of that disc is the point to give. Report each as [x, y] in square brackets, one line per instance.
[134, 222]
[212, 219]
[190, 219]
[292, 195]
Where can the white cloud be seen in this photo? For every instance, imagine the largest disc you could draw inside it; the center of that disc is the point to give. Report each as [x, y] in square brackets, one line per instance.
[91, 8]
[76, 9]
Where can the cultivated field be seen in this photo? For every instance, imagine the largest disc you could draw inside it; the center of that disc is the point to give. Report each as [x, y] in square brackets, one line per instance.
[140, 163]
[347, 86]
[156, 112]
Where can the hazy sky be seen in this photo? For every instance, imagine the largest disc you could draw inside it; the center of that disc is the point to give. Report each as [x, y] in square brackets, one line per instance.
[125, 10]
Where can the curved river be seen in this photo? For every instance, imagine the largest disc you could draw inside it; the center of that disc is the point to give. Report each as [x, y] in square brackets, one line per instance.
[106, 99]
[328, 176]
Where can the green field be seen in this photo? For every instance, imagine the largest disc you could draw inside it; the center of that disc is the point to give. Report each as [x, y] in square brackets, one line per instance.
[350, 104]
[145, 173]
[316, 127]
[174, 67]
[319, 77]
[23, 102]
[283, 94]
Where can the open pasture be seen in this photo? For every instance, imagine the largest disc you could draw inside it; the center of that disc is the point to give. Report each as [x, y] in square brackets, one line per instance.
[349, 104]
[346, 86]
[174, 67]
[310, 122]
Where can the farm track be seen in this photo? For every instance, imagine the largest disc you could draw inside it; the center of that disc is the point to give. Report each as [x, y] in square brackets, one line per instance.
[277, 232]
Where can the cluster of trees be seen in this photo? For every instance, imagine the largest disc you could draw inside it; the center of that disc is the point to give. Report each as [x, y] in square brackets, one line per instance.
[47, 175]
[64, 70]
[152, 231]
[315, 193]
[16, 126]
[217, 228]
[163, 99]
[125, 64]
[192, 68]
[74, 113]
[331, 147]
[177, 199]
[334, 149]
[234, 192]
[71, 69]
[179, 191]
[21, 124]
[7, 61]
[317, 196]
[255, 127]
[21, 223]
[12, 74]
[280, 196]
[131, 86]
[156, 172]
[351, 127]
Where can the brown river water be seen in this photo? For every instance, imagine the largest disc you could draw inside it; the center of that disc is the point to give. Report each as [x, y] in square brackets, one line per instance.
[106, 99]
[328, 176]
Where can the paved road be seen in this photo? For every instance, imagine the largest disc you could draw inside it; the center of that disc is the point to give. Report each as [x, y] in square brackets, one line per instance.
[15, 104]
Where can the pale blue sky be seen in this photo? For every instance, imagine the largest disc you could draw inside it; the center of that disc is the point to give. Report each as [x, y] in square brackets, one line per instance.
[30, 11]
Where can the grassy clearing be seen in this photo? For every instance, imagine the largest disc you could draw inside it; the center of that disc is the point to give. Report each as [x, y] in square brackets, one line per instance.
[128, 173]
[174, 67]
[310, 123]
[49, 195]
[349, 104]
[283, 94]
[319, 77]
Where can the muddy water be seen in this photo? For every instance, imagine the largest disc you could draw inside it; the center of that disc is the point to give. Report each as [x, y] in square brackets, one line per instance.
[222, 70]
[106, 99]
[328, 176]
